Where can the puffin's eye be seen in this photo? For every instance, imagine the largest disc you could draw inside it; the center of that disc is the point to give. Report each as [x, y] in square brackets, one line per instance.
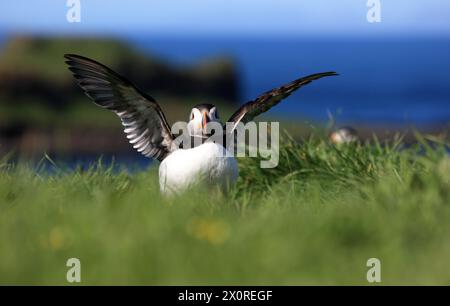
[192, 116]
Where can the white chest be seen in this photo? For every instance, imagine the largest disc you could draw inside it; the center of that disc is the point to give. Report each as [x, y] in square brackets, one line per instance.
[206, 163]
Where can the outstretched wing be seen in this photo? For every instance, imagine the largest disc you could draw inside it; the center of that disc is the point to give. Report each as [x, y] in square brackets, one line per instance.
[264, 102]
[145, 124]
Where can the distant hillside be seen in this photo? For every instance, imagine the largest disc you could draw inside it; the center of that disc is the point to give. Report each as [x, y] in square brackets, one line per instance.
[34, 67]
[41, 105]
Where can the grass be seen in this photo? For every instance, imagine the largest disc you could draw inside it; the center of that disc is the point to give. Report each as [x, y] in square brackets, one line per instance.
[316, 219]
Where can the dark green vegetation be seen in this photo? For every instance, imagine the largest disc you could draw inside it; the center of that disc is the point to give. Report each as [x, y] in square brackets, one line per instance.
[315, 219]
[39, 98]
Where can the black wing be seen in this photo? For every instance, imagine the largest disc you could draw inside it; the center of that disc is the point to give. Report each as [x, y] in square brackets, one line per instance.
[145, 124]
[264, 102]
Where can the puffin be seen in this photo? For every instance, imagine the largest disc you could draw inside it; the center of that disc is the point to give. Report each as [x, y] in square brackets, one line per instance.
[149, 132]
[345, 134]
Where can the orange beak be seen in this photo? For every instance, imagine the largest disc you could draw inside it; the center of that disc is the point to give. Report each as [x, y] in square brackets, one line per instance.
[205, 120]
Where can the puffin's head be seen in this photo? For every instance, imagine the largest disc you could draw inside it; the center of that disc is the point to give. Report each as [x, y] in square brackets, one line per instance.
[200, 116]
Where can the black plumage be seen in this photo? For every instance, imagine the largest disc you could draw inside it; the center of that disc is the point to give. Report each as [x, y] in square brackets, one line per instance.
[267, 100]
[145, 124]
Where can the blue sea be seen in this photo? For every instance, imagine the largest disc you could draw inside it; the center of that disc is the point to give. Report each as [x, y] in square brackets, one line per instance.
[398, 82]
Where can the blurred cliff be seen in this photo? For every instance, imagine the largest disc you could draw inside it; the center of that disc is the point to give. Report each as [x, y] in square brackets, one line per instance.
[43, 110]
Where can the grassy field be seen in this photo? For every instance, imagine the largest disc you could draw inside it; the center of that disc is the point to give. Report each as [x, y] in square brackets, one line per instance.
[316, 219]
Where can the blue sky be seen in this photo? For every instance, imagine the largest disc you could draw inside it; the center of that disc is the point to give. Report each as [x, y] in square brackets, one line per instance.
[228, 17]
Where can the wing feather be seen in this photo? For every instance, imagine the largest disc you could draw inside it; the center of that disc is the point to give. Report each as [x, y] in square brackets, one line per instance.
[146, 127]
[267, 100]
